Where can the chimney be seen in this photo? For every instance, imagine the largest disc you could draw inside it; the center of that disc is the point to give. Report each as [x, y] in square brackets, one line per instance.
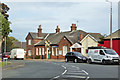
[57, 29]
[39, 31]
[73, 27]
[81, 36]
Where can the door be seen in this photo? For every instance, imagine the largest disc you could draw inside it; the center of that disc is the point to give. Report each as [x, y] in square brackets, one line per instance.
[101, 55]
[64, 50]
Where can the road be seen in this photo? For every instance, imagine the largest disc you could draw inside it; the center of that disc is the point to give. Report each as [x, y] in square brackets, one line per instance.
[61, 71]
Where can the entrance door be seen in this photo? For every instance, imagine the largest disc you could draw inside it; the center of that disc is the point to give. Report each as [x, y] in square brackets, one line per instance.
[64, 50]
[47, 53]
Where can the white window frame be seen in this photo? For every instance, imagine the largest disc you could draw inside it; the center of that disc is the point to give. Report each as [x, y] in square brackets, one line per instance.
[53, 53]
[64, 52]
[39, 51]
[36, 51]
[29, 42]
[29, 52]
[43, 51]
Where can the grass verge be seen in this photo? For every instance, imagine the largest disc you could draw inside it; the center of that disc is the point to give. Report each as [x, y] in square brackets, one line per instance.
[4, 63]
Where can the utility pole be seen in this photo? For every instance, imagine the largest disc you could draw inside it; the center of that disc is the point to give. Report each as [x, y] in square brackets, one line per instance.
[5, 45]
[110, 23]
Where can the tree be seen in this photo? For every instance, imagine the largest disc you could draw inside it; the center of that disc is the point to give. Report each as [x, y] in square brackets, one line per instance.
[4, 9]
[9, 43]
[102, 39]
[4, 23]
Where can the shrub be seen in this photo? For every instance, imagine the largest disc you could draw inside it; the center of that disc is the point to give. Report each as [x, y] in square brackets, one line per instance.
[37, 57]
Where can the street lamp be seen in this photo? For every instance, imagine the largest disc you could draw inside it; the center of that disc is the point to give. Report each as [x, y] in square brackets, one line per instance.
[110, 24]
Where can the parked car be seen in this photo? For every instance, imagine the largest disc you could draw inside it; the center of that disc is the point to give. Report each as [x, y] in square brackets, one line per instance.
[75, 57]
[17, 53]
[102, 55]
[6, 55]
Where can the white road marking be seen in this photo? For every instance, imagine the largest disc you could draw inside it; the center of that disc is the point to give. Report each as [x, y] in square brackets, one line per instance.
[76, 73]
[87, 78]
[64, 67]
[56, 77]
[71, 76]
[64, 72]
[85, 72]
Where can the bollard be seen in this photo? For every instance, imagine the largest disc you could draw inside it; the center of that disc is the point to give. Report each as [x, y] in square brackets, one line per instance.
[5, 61]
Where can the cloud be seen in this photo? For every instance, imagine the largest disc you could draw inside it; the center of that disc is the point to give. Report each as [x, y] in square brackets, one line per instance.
[92, 17]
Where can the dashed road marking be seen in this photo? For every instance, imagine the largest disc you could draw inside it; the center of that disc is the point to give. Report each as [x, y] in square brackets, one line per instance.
[64, 72]
[85, 72]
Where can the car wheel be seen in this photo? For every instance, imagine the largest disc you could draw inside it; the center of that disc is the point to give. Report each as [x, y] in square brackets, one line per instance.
[89, 61]
[66, 60]
[75, 60]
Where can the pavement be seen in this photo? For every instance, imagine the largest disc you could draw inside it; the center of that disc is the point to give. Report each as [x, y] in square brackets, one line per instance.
[13, 65]
[59, 70]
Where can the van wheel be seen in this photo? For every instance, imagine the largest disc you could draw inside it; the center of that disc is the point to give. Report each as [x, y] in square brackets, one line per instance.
[15, 58]
[66, 60]
[89, 61]
[75, 60]
[103, 62]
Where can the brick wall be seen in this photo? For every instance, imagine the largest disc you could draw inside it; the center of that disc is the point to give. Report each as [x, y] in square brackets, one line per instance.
[64, 42]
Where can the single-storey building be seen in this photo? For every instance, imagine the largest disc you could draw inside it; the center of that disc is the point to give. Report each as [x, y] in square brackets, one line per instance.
[56, 45]
[115, 41]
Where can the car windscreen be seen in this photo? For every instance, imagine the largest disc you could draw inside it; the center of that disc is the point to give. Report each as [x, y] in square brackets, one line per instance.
[110, 52]
[78, 54]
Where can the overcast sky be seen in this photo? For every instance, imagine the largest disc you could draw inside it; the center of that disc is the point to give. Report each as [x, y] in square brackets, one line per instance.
[92, 16]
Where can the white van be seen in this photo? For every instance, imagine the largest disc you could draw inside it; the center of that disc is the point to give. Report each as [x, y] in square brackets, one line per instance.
[102, 55]
[17, 54]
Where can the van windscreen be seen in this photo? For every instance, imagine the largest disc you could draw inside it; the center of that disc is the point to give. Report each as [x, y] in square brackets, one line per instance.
[110, 52]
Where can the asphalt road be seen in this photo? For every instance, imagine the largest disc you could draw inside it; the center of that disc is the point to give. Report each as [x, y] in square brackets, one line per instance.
[62, 71]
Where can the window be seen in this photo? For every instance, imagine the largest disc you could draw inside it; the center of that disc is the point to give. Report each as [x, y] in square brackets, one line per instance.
[29, 42]
[39, 51]
[36, 51]
[29, 52]
[43, 51]
[101, 52]
[64, 50]
[53, 52]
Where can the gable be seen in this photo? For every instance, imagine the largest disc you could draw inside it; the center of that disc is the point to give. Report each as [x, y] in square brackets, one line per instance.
[76, 45]
[28, 36]
[64, 40]
[88, 36]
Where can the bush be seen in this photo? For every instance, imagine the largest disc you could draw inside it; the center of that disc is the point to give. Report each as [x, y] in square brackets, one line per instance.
[37, 57]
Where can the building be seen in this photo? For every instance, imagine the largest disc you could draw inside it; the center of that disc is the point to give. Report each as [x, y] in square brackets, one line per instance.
[56, 45]
[115, 41]
[20, 45]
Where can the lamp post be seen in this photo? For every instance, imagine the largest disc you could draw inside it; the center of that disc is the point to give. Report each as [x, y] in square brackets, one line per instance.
[110, 23]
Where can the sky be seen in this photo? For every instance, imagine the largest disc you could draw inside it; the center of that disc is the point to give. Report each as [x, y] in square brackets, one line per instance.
[91, 16]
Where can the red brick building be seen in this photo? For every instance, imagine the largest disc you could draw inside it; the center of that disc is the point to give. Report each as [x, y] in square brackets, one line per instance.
[55, 45]
[115, 41]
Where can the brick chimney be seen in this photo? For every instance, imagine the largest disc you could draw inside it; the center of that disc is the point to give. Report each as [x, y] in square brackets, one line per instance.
[73, 27]
[57, 29]
[81, 36]
[39, 31]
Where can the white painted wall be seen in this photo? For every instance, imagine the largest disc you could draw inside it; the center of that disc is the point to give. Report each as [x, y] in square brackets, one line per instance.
[88, 42]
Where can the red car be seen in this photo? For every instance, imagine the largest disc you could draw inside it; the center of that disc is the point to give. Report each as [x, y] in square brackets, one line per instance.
[6, 55]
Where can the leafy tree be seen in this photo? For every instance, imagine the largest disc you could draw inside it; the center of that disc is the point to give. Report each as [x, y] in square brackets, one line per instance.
[102, 38]
[4, 23]
[10, 44]
[4, 9]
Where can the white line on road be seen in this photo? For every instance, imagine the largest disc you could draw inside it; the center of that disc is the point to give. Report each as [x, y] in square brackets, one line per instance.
[87, 78]
[56, 77]
[71, 76]
[85, 72]
[64, 72]
[64, 67]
